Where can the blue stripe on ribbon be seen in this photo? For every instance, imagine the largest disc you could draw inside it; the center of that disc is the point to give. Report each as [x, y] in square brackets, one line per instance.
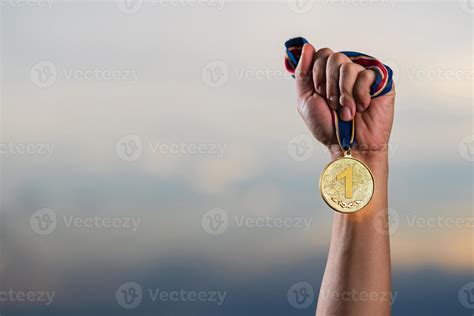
[345, 133]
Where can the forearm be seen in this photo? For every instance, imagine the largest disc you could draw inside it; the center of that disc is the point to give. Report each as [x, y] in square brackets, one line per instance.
[357, 278]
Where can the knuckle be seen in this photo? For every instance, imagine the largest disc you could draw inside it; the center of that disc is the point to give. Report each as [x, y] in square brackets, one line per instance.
[337, 58]
[323, 52]
[347, 68]
[365, 75]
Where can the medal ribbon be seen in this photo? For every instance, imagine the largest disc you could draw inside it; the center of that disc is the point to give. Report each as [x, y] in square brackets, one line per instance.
[345, 131]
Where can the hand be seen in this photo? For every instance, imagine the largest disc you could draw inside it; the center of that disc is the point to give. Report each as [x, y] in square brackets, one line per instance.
[329, 81]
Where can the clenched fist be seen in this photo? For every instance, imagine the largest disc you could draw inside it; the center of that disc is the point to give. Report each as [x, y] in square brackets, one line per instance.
[328, 81]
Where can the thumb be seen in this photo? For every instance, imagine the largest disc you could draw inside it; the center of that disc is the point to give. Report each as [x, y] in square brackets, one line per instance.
[304, 71]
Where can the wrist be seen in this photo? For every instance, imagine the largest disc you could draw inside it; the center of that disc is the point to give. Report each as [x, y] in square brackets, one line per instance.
[374, 154]
[376, 158]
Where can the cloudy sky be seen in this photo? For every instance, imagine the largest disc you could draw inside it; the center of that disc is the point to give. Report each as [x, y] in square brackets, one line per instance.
[143, 140]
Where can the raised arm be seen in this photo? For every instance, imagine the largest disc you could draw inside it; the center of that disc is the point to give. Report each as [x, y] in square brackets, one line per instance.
[357, 278]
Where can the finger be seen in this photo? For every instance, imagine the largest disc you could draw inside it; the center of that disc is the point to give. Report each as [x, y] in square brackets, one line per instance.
[335, 61]
[347, 78]
[361, 91]
[319, 70]
[304, 81]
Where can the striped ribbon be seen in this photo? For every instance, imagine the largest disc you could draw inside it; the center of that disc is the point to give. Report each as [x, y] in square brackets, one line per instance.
[382, 84]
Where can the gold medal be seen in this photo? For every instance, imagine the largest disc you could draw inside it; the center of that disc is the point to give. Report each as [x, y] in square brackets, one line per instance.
[347, 184]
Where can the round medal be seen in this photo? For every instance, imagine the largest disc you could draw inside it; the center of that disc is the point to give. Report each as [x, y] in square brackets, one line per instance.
[347, 185]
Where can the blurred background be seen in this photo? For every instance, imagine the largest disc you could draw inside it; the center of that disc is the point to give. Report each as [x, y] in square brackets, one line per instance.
[153, 163]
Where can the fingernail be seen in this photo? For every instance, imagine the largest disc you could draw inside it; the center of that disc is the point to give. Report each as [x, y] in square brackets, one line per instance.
[332, 99]
[346, 114]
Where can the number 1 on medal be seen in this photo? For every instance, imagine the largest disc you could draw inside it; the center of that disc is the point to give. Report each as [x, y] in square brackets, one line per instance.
[347, 175]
